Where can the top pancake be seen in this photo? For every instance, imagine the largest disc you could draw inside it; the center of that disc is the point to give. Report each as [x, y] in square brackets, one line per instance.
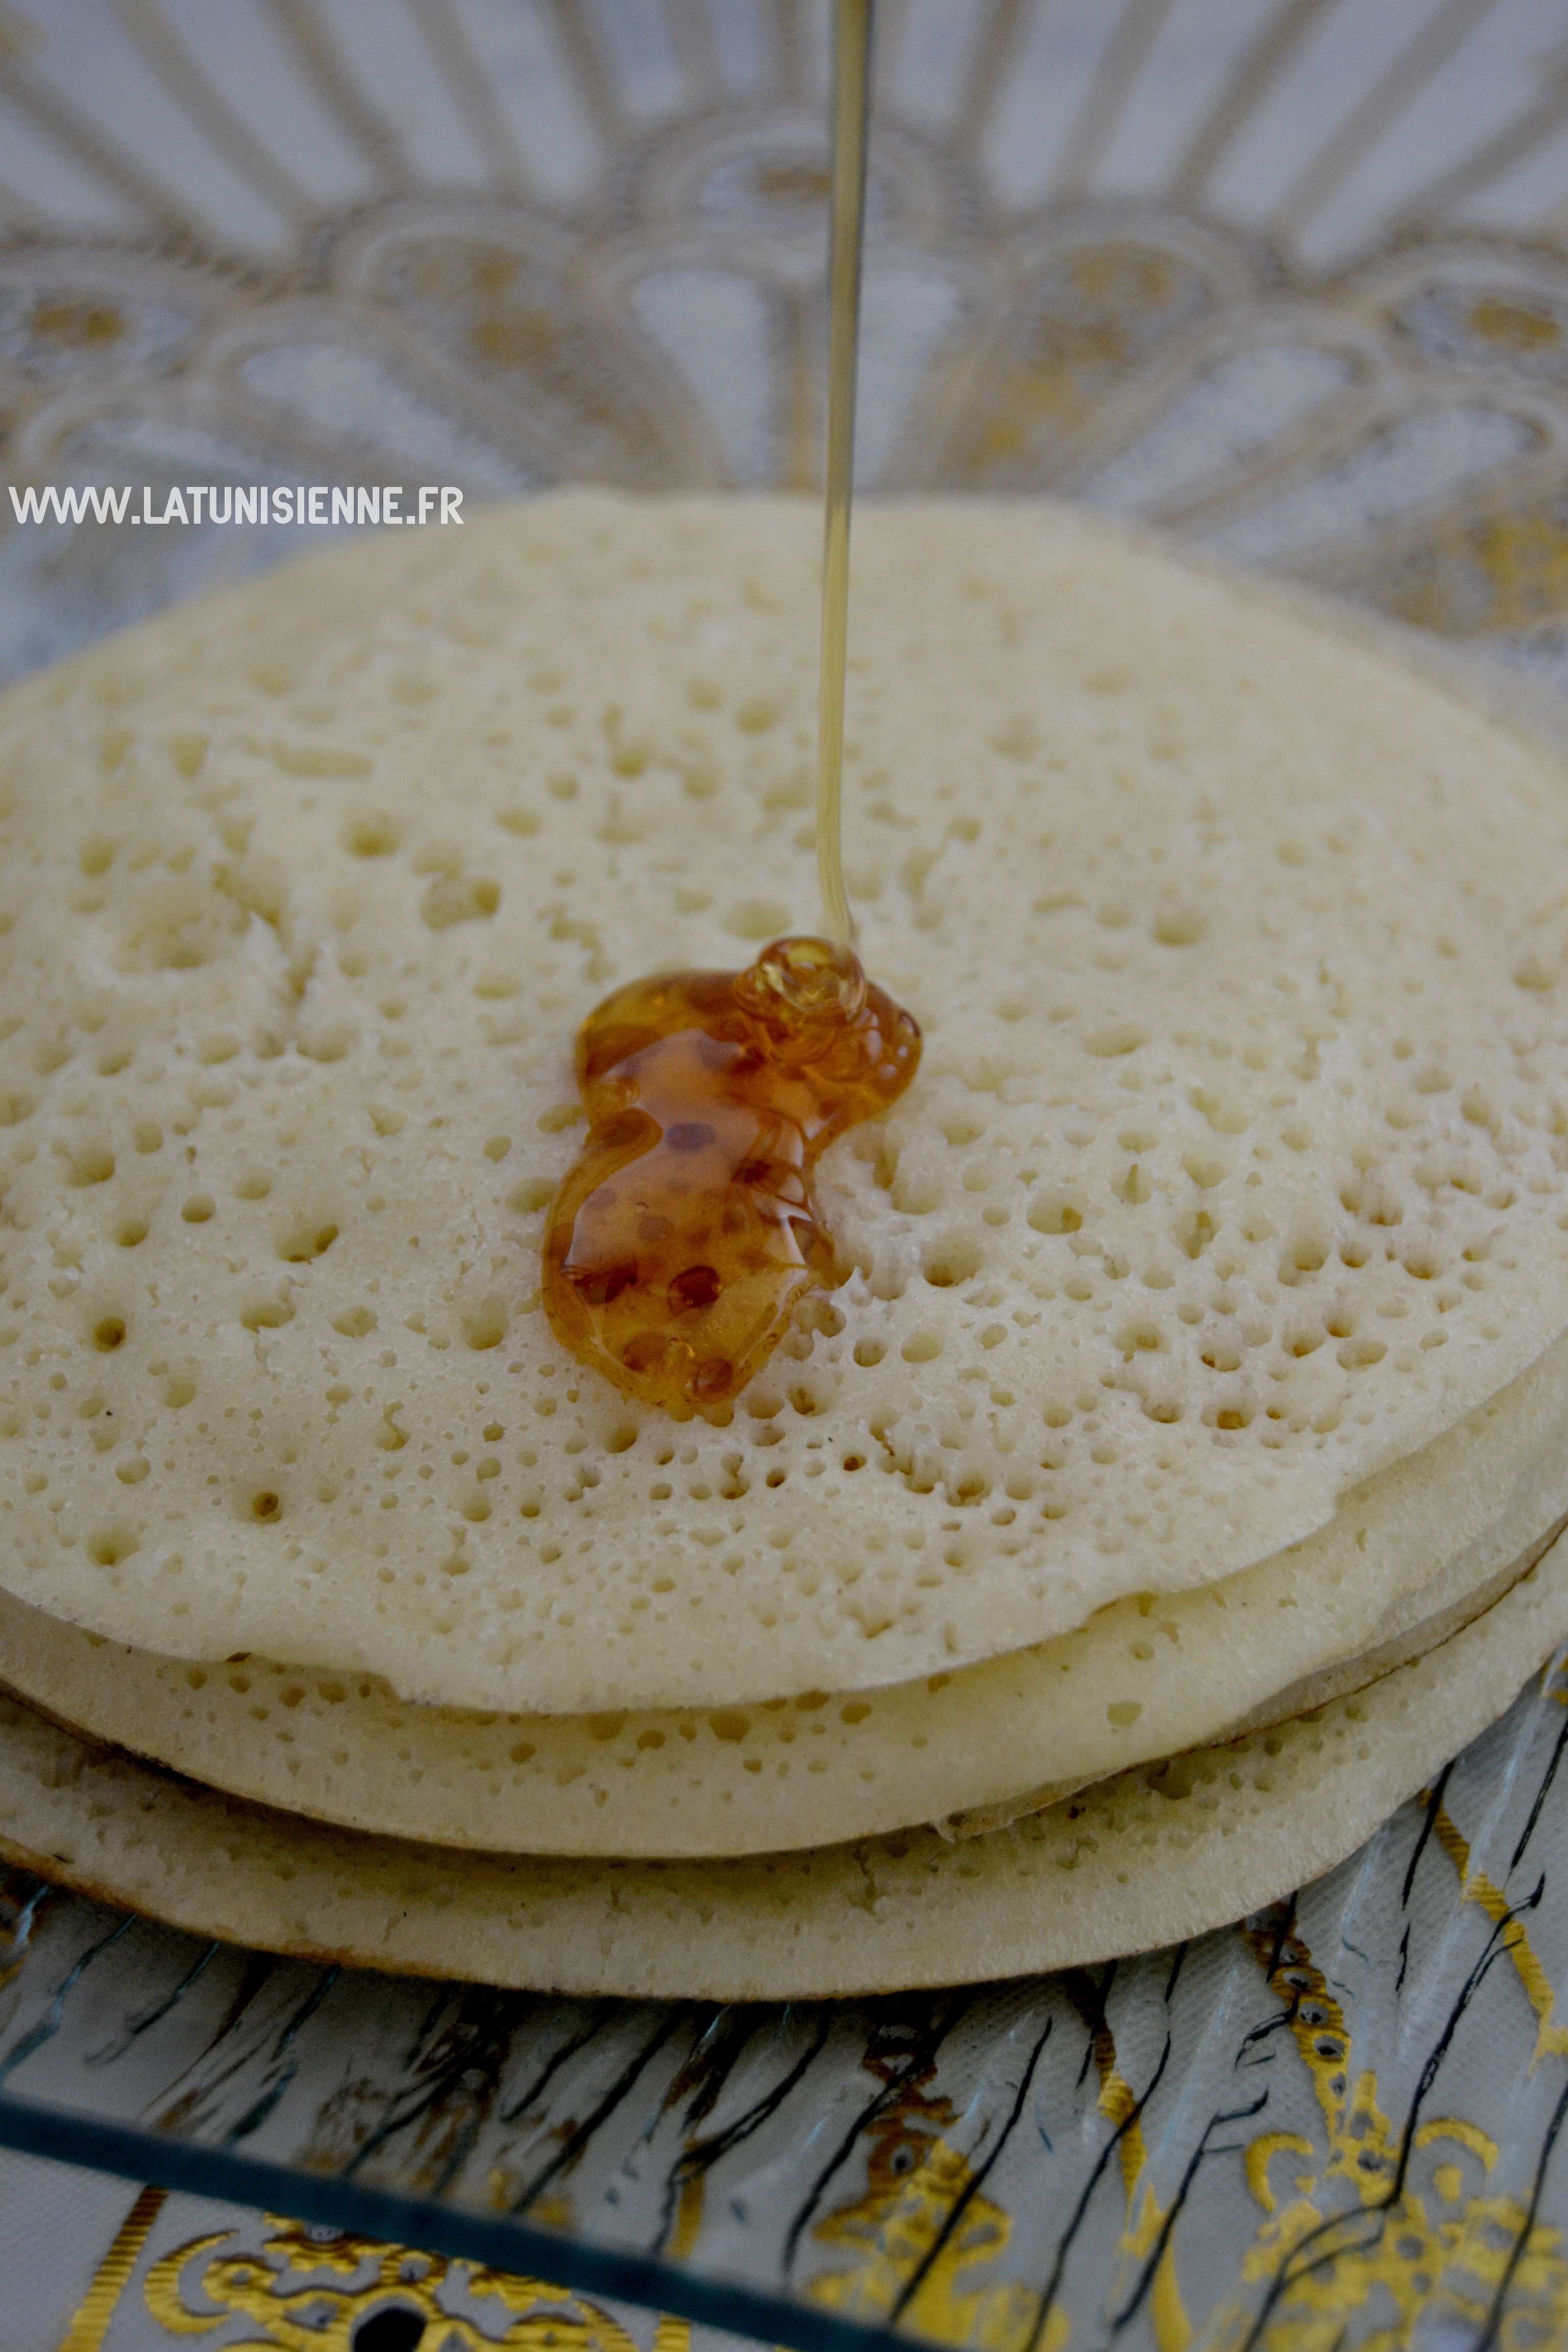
[1233, 1171]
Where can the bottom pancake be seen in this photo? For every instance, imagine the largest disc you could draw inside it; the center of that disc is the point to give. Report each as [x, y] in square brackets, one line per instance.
[1157, 1854]
[1350, 1679]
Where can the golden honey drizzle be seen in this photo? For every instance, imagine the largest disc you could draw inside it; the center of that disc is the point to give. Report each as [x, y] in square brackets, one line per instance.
[851, 107]
[687, 1231]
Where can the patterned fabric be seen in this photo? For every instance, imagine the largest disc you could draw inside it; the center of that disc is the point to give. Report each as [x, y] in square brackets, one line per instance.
[1305, 2131]
[93, 2264]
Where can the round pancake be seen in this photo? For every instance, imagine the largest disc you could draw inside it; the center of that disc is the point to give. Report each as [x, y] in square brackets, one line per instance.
[1346, 1680]
[1157, 1854]
[1232, 1174]
[1410, 1552]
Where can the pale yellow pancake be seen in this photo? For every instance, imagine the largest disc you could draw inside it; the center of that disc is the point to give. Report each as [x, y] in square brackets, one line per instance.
[1232, 1175]
[1157, 1854]
[1408, 1558]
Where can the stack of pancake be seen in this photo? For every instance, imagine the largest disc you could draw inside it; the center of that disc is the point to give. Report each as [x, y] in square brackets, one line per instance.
[1166, 1487]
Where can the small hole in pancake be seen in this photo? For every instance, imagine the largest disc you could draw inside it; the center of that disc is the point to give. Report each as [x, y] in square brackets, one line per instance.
[306, 1238]
[952, 1262]
[110, 1546]
[375, 834]
[458, 899]
[109, 1334]
[1055, 1216]
[266, 1314]
[94, 1164]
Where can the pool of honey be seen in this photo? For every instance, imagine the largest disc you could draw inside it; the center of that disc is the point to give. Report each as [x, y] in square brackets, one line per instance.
[687, 1231]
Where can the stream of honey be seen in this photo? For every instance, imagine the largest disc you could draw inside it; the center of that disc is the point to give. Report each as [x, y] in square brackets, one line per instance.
[687, 1231]
[852, 117]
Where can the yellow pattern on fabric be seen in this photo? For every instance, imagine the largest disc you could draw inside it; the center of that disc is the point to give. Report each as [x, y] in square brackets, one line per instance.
[1083, 336]
[97, 2307]
[309, 2295]
[1518, 562]
[1476, 1888]
[1145, 2215]
[1514, 325]
[1430, 2250]
[691, 2207]
[914, 2180]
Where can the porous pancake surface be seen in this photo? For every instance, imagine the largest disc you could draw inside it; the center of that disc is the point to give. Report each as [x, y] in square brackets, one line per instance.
[1407, 1557]
[1157, 1854]
[1233, 1170]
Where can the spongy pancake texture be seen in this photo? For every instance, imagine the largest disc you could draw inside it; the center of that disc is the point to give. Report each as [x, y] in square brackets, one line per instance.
[1156, 1854]
[1407, 1557]
[1233, 1170]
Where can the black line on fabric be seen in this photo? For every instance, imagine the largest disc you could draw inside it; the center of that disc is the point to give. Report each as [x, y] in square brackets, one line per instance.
[1156, 2252]
[1489, 2335]
[1284, 1927]
[259, 1970]
[471, 2033]
[1293, 2269]
[262, 2106]
[1048, 2292]
[1434, 1803]
[1256, 2033]
[141, 2020]
[918, 2060]
[716, 2050]
[202, 2088]
[440, 2001]
[1092, 2012]
[602, 2014]
[572, 2147]
[184, 2091]
[48, 2025]
[715, 2055]
[707, 2153]
[1541, 1795]
[962, 2203]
